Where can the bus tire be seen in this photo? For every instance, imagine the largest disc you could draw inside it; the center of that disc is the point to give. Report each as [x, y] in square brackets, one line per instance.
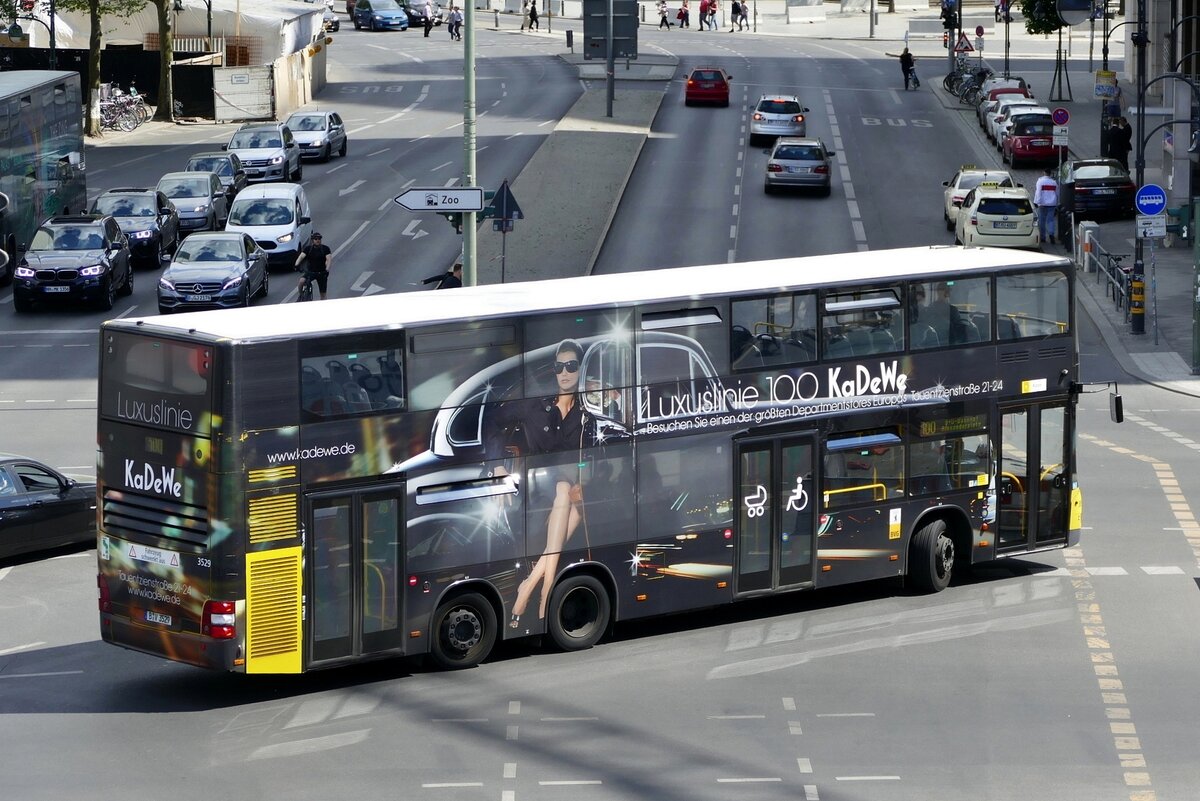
[463, 632]
[579, 614]
[931, 557]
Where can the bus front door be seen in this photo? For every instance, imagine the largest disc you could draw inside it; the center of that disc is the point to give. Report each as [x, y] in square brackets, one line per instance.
[1033, 496]
[354, 572]
[777, 505]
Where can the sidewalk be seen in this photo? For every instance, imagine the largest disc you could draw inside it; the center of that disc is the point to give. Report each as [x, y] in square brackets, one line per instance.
[1162, 356]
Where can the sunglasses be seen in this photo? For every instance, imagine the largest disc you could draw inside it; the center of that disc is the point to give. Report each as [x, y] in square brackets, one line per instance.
[571, 366]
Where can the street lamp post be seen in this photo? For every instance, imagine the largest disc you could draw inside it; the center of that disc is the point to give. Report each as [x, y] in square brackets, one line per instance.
[1137, 289]
[15, 33]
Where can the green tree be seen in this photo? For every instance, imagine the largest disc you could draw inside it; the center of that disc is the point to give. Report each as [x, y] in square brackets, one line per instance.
[96, 11]
[1041, 16]
[166, 48]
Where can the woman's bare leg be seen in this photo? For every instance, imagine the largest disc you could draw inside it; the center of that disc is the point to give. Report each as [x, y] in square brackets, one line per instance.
[562, 521]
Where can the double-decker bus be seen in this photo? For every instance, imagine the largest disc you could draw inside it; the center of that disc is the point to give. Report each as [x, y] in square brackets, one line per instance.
[41, 156]
[306, 485]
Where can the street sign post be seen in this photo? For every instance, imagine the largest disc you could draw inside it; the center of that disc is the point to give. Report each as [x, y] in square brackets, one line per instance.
[440, 198]
[963, 45]
[1151, 226]
[1061, 133]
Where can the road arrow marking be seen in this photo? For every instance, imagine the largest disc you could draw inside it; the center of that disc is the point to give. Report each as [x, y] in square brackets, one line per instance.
[350, 188]
[413, 231]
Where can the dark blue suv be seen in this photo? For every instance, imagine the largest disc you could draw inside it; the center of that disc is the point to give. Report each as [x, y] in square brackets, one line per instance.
[380, 15]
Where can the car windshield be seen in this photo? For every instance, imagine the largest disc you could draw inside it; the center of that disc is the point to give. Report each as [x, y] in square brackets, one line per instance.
[1035, 128]
[707, 75]
[68, 237]
[970, 181]
[217, 164]
[306, 122]
[196, 249]
[261, 211]
[1005, 205]
[185, 187]
[1098, 171]
[799, 153]
[250, 140]
[384, 5]
[779, 107]
[124, 205]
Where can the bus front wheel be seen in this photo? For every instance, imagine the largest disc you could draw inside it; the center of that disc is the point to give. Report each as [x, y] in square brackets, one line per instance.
[579, 613]
[464, 631]
[931, 561]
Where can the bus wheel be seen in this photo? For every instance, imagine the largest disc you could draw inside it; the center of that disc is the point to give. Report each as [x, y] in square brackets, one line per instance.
[464, 630]
[931, 560]
[579, 613]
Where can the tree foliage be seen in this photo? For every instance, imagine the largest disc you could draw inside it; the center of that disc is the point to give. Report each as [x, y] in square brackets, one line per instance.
[1041, 16]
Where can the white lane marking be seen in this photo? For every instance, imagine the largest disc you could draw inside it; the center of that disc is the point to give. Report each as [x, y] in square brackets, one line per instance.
[385, 204]
[845, 714]
[804, 764]
[352, 237]
[352, 187]
[867, 778]
[41, 675]
[514, 136]
[749, 780]
[794, 727]
[543, 124]
[378, 152]
[789, 704]
[565, 720]
[452, 127]
[810, 793]
[510, 770]
[309, 746]
[574, 783]
[4, 571]
[736, 717]
[448, 785]
[1162, 570]
[440, 166]
[27, 645]
[852, 205]
[361, 128]
[510, 732]
[860, 233]
[335, 169]
[413, 230]
[458, 720]
[1106, 571]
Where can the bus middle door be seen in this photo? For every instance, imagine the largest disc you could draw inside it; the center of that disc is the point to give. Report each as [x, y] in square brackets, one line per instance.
[354, 572]
[776, 498]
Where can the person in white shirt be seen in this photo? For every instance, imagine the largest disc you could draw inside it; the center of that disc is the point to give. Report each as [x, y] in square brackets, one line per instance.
[1045, 201]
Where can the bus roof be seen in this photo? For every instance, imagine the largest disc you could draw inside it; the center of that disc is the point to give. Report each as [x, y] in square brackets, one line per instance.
[15, 81]
[400, 310]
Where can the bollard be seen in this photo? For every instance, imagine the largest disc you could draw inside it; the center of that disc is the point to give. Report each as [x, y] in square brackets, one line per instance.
[571, 40]
[497, 19]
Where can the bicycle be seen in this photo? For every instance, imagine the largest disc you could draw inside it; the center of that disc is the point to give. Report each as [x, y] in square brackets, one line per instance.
[305, 292]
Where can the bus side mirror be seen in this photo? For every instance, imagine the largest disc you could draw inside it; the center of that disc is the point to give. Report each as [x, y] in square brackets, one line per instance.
[1116, 408]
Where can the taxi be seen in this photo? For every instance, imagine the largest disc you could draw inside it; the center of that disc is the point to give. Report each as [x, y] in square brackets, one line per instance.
[967, 178]
[997, 216]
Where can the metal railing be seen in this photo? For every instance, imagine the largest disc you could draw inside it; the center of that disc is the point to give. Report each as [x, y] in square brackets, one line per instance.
[1108, 269]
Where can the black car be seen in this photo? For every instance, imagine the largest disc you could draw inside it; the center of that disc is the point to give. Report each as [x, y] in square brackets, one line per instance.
[227, 166]
[416, 13]
[82, 258]
[1098, 189]
[214, 270]
[147, 217]
[41, 508]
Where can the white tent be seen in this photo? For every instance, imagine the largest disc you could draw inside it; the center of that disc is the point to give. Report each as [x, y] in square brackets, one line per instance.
[283, 27]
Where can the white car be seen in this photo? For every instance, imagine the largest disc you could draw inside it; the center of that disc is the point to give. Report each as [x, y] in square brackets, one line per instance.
[967, 178]
[1001, 113]
[997, 216]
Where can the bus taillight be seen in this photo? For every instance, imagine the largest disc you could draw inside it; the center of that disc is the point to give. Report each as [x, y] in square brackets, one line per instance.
[102, 594]
[219, 621]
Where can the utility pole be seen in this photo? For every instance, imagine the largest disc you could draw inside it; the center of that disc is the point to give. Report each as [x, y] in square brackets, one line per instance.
[1137, 289]
[470, 270]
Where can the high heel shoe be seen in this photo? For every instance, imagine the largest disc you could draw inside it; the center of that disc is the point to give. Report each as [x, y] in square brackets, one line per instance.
[515, 623]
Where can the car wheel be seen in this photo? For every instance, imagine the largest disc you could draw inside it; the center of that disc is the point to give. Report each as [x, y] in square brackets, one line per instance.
[827, 190]
[247, 295]
[163, 253]
[342, 149]
[463, 632]
[579, 614]
[949, 224]
[163, 310]
[108, 298]
[266, 282]
[22, 305]
[357, 27]
[768, 189]
[127, 289]
[299, 172]
[325, 153]
[687, 102]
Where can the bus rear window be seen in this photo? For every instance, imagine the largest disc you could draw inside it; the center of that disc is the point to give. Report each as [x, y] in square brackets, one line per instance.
[156, 382]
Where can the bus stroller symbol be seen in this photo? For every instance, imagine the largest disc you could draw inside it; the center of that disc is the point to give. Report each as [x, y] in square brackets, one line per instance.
[431, 199]
[756, 503]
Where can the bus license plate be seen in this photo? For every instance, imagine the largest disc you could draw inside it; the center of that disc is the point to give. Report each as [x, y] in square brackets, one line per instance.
[155, 617]
[57, 288]
[197, 298]
[1004, 225]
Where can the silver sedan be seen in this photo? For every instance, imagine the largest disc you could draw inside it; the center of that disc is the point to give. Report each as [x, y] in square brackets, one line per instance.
[799, 163]
[777, 115]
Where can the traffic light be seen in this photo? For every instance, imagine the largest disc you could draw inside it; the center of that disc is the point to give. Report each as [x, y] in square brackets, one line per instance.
[950, 20]
[455, 218]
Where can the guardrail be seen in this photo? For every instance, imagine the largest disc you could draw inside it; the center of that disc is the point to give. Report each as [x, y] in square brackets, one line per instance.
[1107, 267]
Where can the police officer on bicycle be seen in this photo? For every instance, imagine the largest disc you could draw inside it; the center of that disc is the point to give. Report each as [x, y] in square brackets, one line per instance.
[319, 257]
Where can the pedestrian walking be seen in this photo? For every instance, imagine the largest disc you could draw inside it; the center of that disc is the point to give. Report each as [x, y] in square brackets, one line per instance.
[451, 279]
[702, 20]
[685, 14]
[533, 16]
[525, 15]
[1122, 139]
[1045, 201]
[663, 20]
[735, 16]
[999, 9]
[907, 67]
[428, 11]
[456, 22]
[712, 15]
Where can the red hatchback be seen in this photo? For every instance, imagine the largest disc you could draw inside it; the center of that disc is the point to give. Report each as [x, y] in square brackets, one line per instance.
[707, 85]
[1031, 141]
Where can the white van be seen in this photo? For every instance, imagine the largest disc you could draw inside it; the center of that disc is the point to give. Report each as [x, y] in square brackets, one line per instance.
[277, 216]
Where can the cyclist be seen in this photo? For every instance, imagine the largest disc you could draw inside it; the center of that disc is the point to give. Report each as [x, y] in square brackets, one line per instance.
[319, 257]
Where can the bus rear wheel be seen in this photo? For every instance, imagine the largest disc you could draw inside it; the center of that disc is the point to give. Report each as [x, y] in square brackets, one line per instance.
[579, 614]
[931, 557]
[464, 631]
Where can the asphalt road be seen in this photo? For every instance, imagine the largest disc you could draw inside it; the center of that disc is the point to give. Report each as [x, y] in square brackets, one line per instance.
[1068, 676]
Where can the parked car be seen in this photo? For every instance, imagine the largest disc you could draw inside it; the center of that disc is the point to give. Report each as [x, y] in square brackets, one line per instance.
[997, 216]
[40, 508]
[707, 85]
[1014, 113]
[1097, 189]
[279, 219]
[81, 258]
[777, 115]
[227, 166]
[268, 152]
[214, 270]
[1003, 108]
[147, 218]
[798, 164]
[199, 198]
[415, 9]
[379, 15]
[319, 133]
[330, 22]
[1030, 140]
[967, 178]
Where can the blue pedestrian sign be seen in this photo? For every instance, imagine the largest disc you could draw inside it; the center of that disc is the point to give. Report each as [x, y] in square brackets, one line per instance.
[1150, 199]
